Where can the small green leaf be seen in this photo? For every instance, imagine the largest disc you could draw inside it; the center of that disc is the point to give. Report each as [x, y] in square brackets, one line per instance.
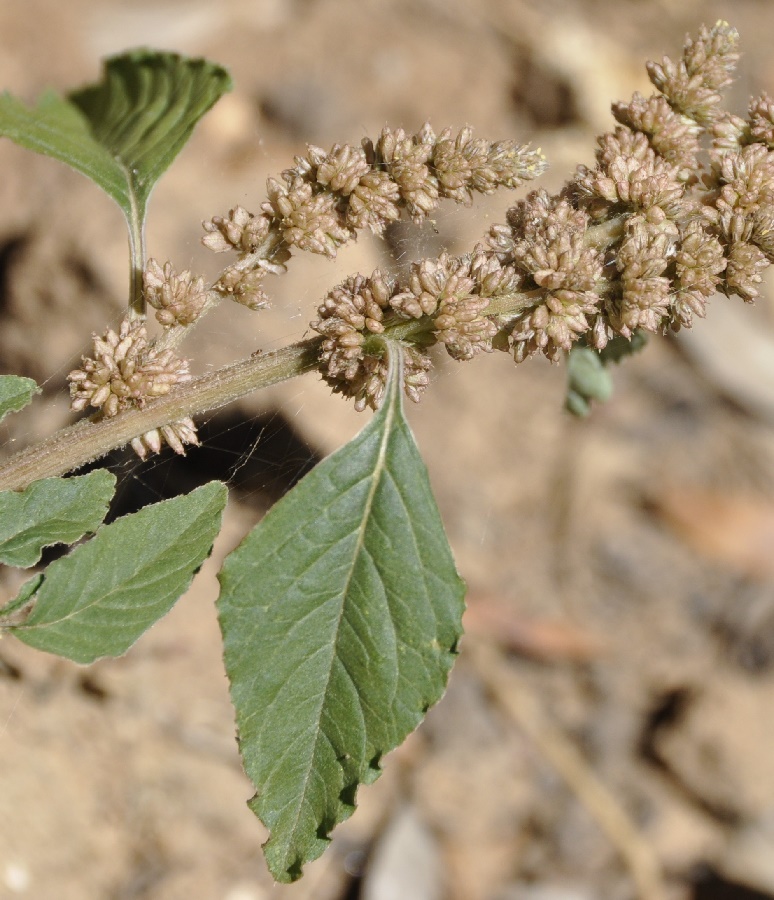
[15, 393]
[25, 595]
[123, 132]
[340, 613]
[51, 511]
[587, 380]
[99, 599]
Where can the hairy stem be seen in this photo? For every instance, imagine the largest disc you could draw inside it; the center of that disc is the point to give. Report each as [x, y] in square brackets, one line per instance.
[85, 441]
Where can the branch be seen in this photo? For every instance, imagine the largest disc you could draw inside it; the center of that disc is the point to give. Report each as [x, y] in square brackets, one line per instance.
[85, 441]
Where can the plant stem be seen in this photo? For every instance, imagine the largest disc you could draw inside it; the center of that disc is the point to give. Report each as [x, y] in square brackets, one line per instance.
[136, 261]
[72, 447]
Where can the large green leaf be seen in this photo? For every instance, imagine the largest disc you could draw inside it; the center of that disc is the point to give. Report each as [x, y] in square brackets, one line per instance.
[340, 613]
[15, 393]
[124, 131]
[51, 511]
[101, 597]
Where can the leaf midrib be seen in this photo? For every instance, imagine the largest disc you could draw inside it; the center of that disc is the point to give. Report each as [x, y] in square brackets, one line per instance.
[379, 468]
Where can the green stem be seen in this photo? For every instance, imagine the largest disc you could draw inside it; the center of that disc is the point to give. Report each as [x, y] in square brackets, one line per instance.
[136, 262]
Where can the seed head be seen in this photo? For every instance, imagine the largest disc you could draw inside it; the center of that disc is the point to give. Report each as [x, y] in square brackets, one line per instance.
[125, 371]
[178, 299]
[240, 230]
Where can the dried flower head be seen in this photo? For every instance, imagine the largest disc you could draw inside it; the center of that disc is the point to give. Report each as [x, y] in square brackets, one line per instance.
[243, 286]
[126, 371]
[699, 262]
[348, 314]
[342, 169]
[307, 219]
[672, 136]
[176, 435]
[240, 230]
[178, 299]
[373, 203]
[441, 291]
[463, 164]
[549, 243]
[631, 174]
[745, 265]
[444, 289]
[761, 119]
[693, 85]
[406, 160]
[645, 291]
[551, 326]
[729, 134]
[492, 275]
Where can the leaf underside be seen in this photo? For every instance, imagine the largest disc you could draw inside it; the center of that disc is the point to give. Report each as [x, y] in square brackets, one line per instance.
[104, 594]
[340, 612]
[123, 132]
[51, 511]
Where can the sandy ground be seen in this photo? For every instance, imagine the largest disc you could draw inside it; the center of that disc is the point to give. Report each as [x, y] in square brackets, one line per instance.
[621, 746]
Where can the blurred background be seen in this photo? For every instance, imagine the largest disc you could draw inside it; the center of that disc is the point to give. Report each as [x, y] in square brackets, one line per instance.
[608, 730]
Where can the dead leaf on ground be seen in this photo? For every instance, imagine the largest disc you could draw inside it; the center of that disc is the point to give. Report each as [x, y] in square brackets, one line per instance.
[736, 530]
[542, 639]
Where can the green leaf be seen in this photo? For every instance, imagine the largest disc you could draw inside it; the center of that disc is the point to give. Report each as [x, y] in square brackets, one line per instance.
[144, 111]
[99, 599]
[341, 612]
[588, 378]
[25, 595]
[15, 393]
[51, 511]
[123, 132]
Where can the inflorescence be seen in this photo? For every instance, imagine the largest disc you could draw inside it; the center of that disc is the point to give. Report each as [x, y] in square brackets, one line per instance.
[679, 206]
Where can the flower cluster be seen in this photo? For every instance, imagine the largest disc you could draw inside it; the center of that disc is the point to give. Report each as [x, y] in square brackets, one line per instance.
[679, 206]
[327, 197]
[444, 300]
[643, 240]
[177, 299]
[352, 362]
[127, 371]
[547, 244]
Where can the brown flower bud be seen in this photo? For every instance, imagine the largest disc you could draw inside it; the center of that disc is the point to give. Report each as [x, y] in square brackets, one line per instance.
[241, 231]
[178, 299]
[125, 371]
[244, 287]
[672, 136]
[761, 117]
[746, 262]
[699, 261]
[692, 86]
[175, 435]
[342, 169]
[373, 202]
[307, 219]
[406, 159]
